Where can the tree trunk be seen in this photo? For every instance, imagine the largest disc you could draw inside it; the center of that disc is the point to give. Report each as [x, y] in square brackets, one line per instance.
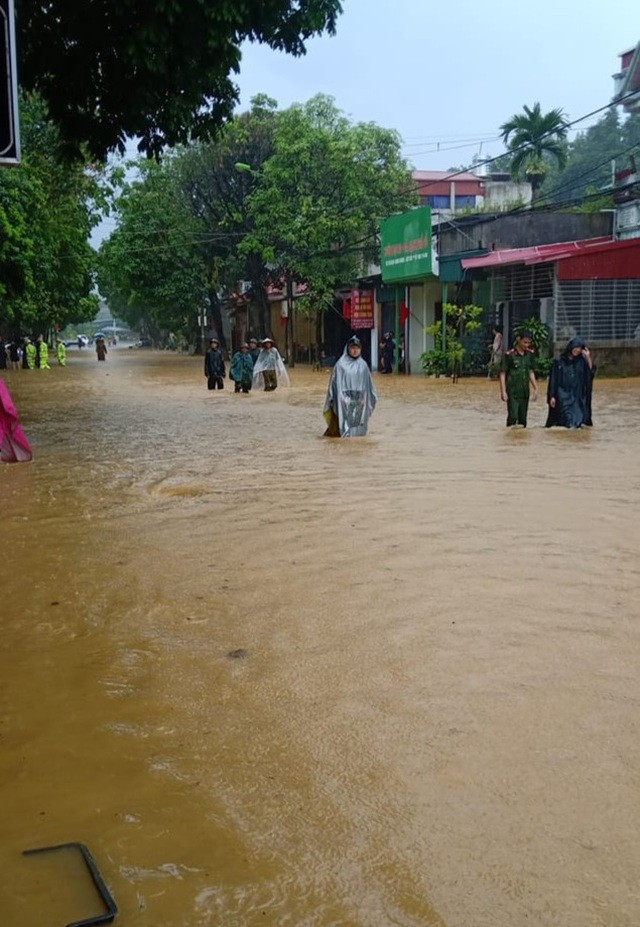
[263, 310]
[216, 317]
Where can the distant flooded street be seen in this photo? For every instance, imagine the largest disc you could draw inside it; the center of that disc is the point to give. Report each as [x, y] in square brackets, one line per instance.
[275, 679]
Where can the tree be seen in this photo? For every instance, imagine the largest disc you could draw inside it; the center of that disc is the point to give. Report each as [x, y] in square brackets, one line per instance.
[448, 353]
[534, 140]
[307, 208]
[47, 210]
[156, 71]
[176, 248]
[218, 194]
[152, 269]
[319, 198]
[590, 156]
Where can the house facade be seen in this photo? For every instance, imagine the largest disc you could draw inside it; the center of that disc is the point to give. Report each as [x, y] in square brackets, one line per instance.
[589, 288]
[449, 193]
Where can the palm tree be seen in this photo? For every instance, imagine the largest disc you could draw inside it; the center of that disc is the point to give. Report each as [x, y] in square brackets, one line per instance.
[531, 137]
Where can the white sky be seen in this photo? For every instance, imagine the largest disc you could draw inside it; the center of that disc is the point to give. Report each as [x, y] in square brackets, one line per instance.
[449, 74]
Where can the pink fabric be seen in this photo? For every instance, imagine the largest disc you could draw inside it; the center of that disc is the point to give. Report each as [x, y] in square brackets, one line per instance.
[14, 447]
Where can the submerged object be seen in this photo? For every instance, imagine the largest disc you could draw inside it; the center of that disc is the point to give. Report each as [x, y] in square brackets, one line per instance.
[98, 881]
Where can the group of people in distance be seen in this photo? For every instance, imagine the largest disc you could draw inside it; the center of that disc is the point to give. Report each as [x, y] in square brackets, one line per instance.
[251, 366]
[30, 354]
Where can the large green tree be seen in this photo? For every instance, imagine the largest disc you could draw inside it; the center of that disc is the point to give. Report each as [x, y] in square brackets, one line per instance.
[217, 179]
[534, 140]
[278, 196]
[152, 269]
[159, 71]
[47, 211]
[319, 198]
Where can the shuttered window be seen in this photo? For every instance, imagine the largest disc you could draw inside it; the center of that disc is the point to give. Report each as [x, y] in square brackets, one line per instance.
[598, 310]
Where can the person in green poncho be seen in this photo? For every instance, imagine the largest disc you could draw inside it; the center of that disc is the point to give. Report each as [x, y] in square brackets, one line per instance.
[518, 380]
[30, 353]
[43, 353]
[61, 352]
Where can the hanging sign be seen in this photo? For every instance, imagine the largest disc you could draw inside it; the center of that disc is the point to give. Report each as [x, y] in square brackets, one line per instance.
[362, 308]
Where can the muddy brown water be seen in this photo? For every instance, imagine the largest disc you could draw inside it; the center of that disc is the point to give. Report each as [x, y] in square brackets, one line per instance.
[275, 679]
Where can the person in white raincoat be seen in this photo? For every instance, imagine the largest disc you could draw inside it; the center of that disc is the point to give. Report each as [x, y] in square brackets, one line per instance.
[351, 397]
[269, 368]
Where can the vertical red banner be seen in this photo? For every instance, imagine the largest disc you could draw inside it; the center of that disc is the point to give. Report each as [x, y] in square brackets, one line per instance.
[362, 308]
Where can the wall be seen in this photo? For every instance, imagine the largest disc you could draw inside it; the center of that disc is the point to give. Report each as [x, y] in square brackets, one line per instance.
[522, 230]
[502, 194]
[304, 332]
[422, 300]
[613, 360]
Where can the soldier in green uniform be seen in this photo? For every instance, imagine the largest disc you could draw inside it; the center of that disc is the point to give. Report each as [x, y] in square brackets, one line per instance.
[517, 379]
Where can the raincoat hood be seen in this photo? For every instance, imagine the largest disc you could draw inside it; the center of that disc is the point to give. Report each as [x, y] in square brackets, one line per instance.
[574, 343]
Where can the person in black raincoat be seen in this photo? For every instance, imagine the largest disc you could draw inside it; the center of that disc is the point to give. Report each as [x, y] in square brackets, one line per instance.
[214, 369]
[570, 387]
[388, 347]
[351, 397]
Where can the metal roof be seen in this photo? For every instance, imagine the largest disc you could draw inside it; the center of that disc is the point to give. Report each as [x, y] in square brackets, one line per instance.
[537, 254]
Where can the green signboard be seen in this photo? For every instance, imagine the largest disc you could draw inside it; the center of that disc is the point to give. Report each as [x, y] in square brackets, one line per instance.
[406, 246]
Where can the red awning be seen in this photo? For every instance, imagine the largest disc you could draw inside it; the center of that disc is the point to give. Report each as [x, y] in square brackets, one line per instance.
[537, 254]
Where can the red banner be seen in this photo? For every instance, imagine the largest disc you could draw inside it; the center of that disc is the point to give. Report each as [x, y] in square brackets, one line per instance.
[362, 308]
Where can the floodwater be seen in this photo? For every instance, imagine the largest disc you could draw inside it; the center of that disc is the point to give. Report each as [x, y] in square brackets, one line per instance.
[274, 679]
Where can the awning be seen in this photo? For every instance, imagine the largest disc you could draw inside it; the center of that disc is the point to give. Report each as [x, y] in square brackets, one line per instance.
[536, 254]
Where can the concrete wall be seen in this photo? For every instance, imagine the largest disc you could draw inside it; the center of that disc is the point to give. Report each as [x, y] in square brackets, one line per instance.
[505, 194]
[522, 230]
[613, 359]
[422, 300]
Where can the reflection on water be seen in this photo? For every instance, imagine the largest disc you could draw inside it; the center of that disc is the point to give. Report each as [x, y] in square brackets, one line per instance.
[434, 717]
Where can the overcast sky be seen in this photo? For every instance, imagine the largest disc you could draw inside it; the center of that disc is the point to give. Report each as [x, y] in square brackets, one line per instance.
[447, 75]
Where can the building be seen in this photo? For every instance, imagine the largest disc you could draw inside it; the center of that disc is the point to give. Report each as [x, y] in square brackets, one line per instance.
[449, 193]
[627, 80]
[589, 287]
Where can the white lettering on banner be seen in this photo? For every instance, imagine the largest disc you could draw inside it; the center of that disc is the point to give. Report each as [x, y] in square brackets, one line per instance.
[407, 259]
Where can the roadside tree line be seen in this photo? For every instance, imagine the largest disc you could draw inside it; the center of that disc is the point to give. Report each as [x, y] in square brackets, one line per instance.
[279, 195]
[47, 210]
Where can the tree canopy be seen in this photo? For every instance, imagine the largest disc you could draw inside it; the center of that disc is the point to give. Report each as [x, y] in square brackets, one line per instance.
[305, 205]
[320, 196]
[47, 211]
[156, 71]
[588, 172]
[152, 269]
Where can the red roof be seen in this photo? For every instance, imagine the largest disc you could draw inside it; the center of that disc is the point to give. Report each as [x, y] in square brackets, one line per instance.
[536, 254]
[592, 258]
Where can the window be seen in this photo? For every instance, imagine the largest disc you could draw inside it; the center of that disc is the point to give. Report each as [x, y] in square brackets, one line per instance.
[598, 310]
